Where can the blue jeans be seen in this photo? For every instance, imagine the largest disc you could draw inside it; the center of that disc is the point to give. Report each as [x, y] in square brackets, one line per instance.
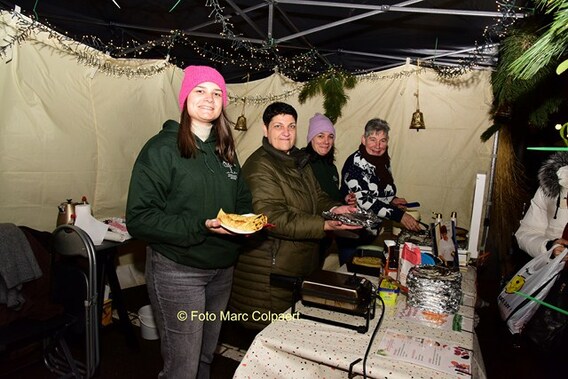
[187, 302]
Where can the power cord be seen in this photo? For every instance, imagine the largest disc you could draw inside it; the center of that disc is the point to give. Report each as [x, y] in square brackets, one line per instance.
[374, 333]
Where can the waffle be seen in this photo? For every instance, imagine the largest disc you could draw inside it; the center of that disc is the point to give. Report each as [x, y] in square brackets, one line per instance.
[248, 223]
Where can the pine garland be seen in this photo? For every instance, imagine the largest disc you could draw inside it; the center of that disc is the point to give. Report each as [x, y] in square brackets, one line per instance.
[331, 84]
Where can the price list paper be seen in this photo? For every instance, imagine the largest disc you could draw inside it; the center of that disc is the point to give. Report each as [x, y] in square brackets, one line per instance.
[436, 354]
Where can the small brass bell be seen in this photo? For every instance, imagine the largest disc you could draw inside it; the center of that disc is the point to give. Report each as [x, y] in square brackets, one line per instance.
[417, 121]
[241, 123]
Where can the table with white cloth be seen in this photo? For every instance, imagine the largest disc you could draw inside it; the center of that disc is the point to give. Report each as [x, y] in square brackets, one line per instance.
[301, 348]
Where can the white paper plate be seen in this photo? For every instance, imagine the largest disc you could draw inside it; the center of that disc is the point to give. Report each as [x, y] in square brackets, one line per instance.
[240, 231]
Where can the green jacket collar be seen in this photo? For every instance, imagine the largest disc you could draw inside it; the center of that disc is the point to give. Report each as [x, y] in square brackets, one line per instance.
[296, 158]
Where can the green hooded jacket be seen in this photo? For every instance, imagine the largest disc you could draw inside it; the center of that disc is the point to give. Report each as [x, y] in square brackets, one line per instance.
[170, 198]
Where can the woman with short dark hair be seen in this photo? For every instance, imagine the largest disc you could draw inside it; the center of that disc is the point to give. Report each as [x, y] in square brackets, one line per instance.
[284, 189]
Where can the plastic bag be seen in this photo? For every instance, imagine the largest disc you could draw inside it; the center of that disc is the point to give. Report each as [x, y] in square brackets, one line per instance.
[548, 327]
[534, 279]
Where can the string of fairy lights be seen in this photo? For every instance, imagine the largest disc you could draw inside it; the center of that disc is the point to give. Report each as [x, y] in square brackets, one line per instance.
[254, 58]
[486, 50]
[25, 29]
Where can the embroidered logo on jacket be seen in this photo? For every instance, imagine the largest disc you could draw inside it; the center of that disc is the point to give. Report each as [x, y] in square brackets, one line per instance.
[230, 173]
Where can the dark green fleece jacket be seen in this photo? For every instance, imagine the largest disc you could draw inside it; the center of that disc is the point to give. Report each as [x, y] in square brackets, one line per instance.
[170, 198]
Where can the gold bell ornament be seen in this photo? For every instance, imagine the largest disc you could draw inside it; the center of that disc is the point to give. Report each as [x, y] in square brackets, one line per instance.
[417, 122]
[241, 124]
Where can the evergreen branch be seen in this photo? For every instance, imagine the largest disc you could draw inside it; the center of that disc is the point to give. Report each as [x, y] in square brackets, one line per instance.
[331, 84]
[506, 87]
[550, 46]
[311, 88]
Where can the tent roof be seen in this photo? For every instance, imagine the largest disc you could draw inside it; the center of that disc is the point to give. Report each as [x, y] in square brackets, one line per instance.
[301, 38]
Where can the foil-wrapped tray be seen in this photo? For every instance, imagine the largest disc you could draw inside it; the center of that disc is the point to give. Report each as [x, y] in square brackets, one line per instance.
[366, 219]
[435, 289]
[421, 238]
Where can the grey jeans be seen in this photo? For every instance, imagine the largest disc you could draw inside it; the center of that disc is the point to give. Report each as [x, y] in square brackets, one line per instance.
[186, 302]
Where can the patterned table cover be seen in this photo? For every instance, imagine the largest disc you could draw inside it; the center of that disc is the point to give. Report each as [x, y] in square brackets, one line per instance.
[301, 348]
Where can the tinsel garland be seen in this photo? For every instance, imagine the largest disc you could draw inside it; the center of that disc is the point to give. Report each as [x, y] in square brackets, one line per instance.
[297, 87]
[242, 52]
[26, 29]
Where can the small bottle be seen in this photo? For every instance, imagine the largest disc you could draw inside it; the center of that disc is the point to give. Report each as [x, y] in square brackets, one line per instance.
[438, 217]
[454, 217]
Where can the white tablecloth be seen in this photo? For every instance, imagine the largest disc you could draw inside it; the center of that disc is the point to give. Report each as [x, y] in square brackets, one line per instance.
[301, 348]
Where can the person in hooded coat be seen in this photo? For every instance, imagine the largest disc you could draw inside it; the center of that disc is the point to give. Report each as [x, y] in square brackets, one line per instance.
[542, 226]
[544, 230]
[321, 151]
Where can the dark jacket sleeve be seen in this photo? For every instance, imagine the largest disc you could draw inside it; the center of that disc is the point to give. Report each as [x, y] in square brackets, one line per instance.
[244, 196]
[146, 216]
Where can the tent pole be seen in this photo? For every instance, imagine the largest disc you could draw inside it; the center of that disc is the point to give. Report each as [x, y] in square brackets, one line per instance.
[489, 201]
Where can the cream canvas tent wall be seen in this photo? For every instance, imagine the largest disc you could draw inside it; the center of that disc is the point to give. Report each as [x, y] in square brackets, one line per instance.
[68, 130]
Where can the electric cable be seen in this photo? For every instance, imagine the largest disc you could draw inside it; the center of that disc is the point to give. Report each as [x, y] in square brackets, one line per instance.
[374, 334]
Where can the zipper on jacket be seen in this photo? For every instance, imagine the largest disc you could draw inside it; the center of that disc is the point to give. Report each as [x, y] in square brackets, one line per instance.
[274, 250]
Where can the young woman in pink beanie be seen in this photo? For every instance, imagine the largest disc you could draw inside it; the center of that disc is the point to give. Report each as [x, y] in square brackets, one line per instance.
[181, 179]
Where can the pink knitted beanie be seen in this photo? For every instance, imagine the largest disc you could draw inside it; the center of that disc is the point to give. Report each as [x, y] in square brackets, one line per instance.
[195, 75]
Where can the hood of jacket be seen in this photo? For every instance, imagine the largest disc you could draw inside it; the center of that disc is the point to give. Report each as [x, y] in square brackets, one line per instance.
[547, 175]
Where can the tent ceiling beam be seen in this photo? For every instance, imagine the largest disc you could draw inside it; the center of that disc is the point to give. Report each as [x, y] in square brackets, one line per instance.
[293, 26]
[245, 17]
[270, 19]
[399, 8]
[490, 46]
[419, 51]
[338, 23]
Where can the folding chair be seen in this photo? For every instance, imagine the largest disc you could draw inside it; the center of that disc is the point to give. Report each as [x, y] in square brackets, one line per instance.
[71, 241]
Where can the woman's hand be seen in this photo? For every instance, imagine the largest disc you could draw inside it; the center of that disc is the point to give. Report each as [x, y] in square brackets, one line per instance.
[338, 225]
[399, 202]
[410, 222]
[560, 244]
[344, 209]
[350, 198]
[214, 226]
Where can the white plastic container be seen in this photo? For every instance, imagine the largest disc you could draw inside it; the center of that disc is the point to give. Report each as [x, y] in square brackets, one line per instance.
[147, 324]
